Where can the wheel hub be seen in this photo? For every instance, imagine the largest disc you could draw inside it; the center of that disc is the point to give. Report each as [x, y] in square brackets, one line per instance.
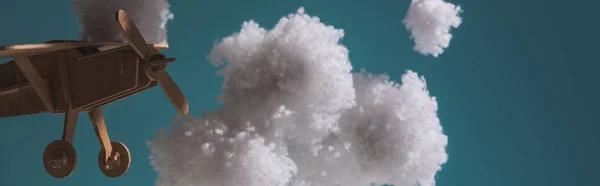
[113, 162]
[117, 163]
[58, 160]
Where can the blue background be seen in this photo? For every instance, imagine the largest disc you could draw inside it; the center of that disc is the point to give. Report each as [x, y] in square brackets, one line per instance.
[516, 88]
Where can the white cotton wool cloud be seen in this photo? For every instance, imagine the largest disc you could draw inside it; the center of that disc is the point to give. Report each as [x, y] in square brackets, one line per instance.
[97, 19]
[392, 135]
[294, 114]
[207, 152]
[396, 134]
[298, 59]
[429, 22]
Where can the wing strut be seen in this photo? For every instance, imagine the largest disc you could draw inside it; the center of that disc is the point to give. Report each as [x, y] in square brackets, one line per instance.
[39, 84]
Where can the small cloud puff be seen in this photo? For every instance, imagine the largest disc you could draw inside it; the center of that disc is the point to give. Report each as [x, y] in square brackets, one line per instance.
[429, 22]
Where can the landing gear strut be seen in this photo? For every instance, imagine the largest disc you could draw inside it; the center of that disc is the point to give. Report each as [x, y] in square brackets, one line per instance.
[114, 158]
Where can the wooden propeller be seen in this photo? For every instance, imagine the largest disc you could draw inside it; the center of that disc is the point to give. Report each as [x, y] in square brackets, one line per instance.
[137, 42]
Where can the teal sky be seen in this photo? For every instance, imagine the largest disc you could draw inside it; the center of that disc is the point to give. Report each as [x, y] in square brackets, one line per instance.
[516, 88]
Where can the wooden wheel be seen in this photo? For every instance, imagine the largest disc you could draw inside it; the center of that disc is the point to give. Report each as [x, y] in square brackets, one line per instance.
[60, 159]
[118, 163]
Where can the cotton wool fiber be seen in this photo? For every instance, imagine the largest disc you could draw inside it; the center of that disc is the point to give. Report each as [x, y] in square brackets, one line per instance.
[294, 114]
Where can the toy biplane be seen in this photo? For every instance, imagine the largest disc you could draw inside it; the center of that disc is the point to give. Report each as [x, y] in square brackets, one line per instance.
[69, 77]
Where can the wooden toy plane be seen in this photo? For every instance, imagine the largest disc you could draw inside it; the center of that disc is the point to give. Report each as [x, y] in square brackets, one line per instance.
[69, 77]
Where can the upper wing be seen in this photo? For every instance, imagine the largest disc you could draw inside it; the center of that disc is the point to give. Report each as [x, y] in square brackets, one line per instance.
[12, 51]
[33, 49]
[108, 46]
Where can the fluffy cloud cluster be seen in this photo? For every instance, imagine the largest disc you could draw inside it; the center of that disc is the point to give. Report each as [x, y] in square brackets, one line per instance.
[97, 19]
[429, 22]
[294, 114]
